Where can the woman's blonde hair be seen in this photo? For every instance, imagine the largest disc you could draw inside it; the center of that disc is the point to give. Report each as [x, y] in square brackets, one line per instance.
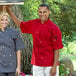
[4, 14]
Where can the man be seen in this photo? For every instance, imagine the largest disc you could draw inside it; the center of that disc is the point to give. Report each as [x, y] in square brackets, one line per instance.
[46, 42]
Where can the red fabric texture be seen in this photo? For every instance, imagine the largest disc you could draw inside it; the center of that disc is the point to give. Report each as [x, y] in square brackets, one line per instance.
[46, 39]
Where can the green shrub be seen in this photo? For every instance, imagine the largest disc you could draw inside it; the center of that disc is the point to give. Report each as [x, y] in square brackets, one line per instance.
[63, 71]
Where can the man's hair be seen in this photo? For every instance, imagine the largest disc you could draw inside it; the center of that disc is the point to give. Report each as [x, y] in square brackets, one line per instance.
[44, 5]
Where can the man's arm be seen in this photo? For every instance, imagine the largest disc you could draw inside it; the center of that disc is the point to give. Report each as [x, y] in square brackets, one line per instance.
[15, 19]
[56, 57]
[18, 70]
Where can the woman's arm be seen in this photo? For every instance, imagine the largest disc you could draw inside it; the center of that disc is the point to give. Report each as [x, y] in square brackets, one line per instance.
[18, 70]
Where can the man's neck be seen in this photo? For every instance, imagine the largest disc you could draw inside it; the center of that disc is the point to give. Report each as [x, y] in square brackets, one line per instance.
[42, 21]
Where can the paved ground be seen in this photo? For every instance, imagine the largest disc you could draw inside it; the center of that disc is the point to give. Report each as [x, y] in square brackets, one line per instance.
[25, 75]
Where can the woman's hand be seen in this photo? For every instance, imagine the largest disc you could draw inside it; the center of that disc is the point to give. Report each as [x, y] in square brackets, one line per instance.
[18, 72]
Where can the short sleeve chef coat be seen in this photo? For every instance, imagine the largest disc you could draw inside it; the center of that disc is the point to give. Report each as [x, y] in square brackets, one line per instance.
[10, 43]
[46, 38]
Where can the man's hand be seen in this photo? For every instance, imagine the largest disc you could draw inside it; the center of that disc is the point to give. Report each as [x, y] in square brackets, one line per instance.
[53, 71]
[1, 8]
[18, 72]
[14, 18]
[8, 8]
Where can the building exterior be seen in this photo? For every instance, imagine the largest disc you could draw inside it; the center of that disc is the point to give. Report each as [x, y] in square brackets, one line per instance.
[11, 2]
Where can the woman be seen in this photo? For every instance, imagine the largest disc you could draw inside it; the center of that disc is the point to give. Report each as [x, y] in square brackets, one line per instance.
[10, 48]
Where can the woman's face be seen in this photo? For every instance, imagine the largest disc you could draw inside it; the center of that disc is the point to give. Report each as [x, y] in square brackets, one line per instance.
[4, 21]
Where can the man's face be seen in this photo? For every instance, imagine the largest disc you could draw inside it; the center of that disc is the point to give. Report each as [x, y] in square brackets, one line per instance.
[43, 14]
